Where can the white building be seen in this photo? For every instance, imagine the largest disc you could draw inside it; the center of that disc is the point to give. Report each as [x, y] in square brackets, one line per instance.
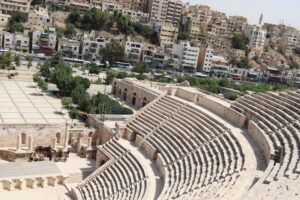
[15, 41]
[4, 19]
[292, 37]
[133, 49]
[220, 67]
[188, 56]
[45, 38]
[92, 43]
[207, 60]
[38, 21]
[256, 35]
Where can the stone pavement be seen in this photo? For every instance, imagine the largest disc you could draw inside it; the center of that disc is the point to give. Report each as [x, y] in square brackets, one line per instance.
[22, 103]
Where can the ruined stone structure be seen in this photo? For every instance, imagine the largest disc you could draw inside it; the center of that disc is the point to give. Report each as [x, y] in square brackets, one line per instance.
[185, 144]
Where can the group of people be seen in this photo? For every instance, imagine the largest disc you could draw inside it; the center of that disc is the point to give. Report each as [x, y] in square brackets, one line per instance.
[49, 154]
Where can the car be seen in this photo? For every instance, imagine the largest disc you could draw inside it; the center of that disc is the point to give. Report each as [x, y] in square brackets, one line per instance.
[200, 75]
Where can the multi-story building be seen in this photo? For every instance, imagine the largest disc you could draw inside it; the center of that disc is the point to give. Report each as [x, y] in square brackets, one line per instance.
[238, 74]
[256, 34]
[187, 55]
[165, 11]
[133, 49]
[167, 34]
[68, 47]
[9, 6]
[4, 19]
[15, 41]
[220, 67]
[43, 41]
[93, 41]
[237, 23]
[38, 21]
[173, 12]
[205, 60]
[136, 16]
[81, 5]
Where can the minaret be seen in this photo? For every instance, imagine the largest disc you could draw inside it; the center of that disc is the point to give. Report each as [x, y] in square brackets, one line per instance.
[261, 19]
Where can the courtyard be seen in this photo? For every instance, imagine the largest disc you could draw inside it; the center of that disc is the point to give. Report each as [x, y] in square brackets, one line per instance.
[22, 103]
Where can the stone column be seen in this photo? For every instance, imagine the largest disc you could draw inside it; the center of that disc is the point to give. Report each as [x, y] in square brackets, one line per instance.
[78, 146]
[54, 141]
[19, 142]
[30, 143]
[89, 144]
[66, 137]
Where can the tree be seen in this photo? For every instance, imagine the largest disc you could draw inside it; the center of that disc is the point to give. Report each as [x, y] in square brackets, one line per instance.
[74, 114]
[112, 52]
[243, 63]
[74, 17]
[294, 65]
[141, 68]
[94, 69]
[16, 20]
[29, 59]
[66, 102]
[62, 77]
[239, 41]
[297, 50]
[6, 61]
[81, 98]
[183, 35]
[43, 85]
[17, 60]
[70, 31]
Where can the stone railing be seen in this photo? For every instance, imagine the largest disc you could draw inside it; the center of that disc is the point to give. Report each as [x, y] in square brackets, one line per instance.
[32, 182]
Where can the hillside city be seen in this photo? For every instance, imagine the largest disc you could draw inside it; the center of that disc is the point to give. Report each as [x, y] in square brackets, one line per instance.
[146, 100]
[167, 35]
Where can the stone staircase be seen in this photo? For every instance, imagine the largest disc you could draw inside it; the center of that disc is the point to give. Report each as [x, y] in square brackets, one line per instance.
[77, 177]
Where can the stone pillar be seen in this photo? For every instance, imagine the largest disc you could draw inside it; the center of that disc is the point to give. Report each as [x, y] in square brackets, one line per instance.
[78, 144]
[30, 143]
[54, 141]
[19, 142]
[66, 137]
[89, 144]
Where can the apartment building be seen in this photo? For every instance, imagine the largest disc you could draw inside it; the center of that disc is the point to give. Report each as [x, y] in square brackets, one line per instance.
[205, 59]
[92, 43]
[133, 50]
[220, 67]
[15, 41]
[68, 47]
[187, 55]
[4, 19]
[136, 15]
[38, 21]
[173, 12]
[9, 6]
[167, 34]
[165, 11]
[256, 35]
[46, 38]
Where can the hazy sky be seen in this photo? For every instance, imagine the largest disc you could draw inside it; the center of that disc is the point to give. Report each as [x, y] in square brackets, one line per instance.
[274, 10]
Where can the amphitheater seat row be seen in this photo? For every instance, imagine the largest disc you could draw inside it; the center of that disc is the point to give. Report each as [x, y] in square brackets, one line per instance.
[277, 116]
[122, 177]
[196, 150]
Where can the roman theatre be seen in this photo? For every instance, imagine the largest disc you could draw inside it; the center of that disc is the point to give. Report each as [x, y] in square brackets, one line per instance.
[181, 143]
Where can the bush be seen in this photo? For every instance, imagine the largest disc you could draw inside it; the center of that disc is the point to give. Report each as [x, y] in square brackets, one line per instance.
[232, 97]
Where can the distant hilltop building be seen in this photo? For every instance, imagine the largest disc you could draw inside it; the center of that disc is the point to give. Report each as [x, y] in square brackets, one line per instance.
[256, 34]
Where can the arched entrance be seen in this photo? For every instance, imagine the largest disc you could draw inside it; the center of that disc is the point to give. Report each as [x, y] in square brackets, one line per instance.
[133, 98]
[23, 138]
[125, 94]
[57, 138]
[144, 101]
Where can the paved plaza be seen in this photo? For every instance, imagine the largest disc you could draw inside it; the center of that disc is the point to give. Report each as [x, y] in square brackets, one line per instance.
[22, 103]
